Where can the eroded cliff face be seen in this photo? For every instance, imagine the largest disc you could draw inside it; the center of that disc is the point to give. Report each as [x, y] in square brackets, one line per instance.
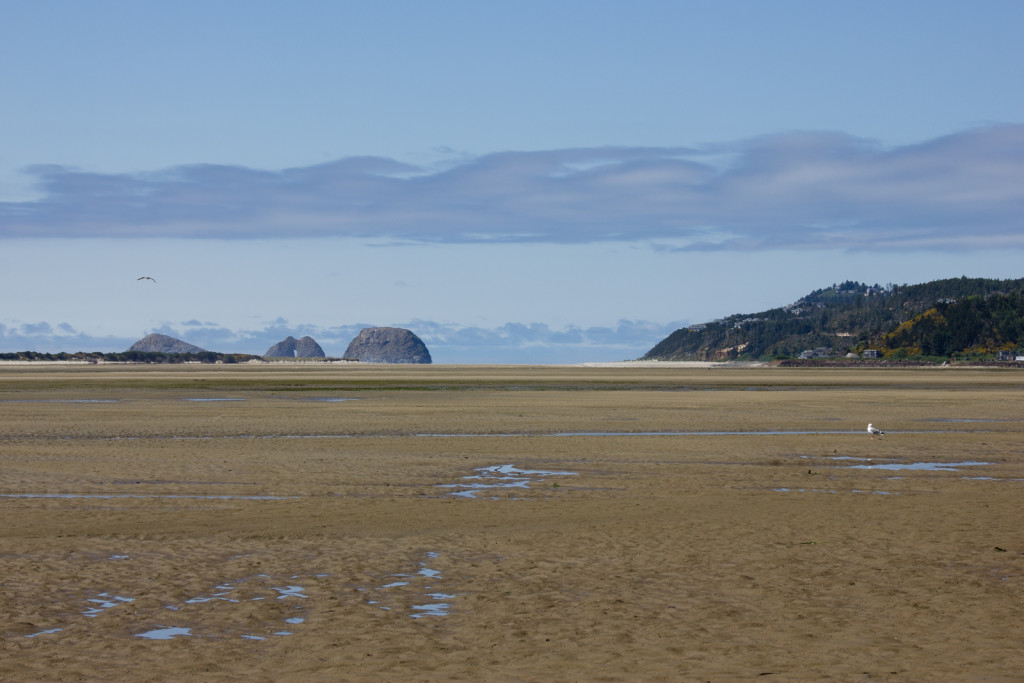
[291, 347]
[387, 345]
[161, 343]
[306, 347]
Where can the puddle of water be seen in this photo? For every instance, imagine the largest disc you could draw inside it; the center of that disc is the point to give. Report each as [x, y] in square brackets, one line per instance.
[246, 589]
[470, 488]
[165, 633]
[211, 400]
[71, 400]
[513, 471]
[52, 630]
[328, 400]
[927, 466]
[501, 477]
[225, 592]
[434, 609]
[396, 595]
[104, 601]
[216, 596]
[789, 490]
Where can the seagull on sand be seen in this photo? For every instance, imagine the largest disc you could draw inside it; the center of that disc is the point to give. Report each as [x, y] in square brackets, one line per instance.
[144, 277]
[872, 430]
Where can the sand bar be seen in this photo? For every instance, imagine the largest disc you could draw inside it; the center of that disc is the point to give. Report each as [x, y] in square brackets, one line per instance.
[272, 523]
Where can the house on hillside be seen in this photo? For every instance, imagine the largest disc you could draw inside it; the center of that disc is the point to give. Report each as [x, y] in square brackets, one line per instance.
[819, 352]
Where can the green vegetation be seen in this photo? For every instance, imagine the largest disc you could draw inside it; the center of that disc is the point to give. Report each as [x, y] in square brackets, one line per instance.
[964, 317]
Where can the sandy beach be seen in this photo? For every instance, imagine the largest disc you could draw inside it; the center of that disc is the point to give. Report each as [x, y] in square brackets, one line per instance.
[614, 522]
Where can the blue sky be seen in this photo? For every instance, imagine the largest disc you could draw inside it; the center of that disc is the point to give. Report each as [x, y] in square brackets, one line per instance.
[516, 182]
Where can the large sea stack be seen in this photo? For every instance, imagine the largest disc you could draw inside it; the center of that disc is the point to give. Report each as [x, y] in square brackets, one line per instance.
[295, 348]
[161, 343]
[387, 345]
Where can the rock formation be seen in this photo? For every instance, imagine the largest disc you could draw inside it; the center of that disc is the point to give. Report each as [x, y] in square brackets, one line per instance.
[387, 345]
[295, 348]
[161, 343]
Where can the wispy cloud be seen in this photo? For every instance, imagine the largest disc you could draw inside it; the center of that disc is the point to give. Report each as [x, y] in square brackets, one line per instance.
[448, 343]
[801, 189]
[47, 338]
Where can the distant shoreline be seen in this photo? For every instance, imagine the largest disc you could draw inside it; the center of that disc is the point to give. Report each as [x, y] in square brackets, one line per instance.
[794, 363]
[673, 364]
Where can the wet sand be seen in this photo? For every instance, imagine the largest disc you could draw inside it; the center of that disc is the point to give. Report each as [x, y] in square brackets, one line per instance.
[467, 523]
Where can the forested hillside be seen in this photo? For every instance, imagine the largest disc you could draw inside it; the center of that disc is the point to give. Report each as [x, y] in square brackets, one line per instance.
[966, 316]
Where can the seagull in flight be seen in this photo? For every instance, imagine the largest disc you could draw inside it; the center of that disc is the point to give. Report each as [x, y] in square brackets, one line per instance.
[872, 430]
[144, 277]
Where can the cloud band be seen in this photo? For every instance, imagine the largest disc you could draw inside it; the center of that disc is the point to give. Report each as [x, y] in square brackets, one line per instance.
[803, 189]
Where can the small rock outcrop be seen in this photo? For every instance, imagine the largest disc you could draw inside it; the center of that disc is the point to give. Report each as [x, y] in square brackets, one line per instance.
[161, 343]
[295, 348]
[387, 345]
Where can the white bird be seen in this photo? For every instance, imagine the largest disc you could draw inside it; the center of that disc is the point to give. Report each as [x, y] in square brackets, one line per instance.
[144, 277]
[872, 430]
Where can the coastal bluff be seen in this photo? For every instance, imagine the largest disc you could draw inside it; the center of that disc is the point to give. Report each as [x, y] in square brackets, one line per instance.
[388, 345]
[290, 347]
[161, 343]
